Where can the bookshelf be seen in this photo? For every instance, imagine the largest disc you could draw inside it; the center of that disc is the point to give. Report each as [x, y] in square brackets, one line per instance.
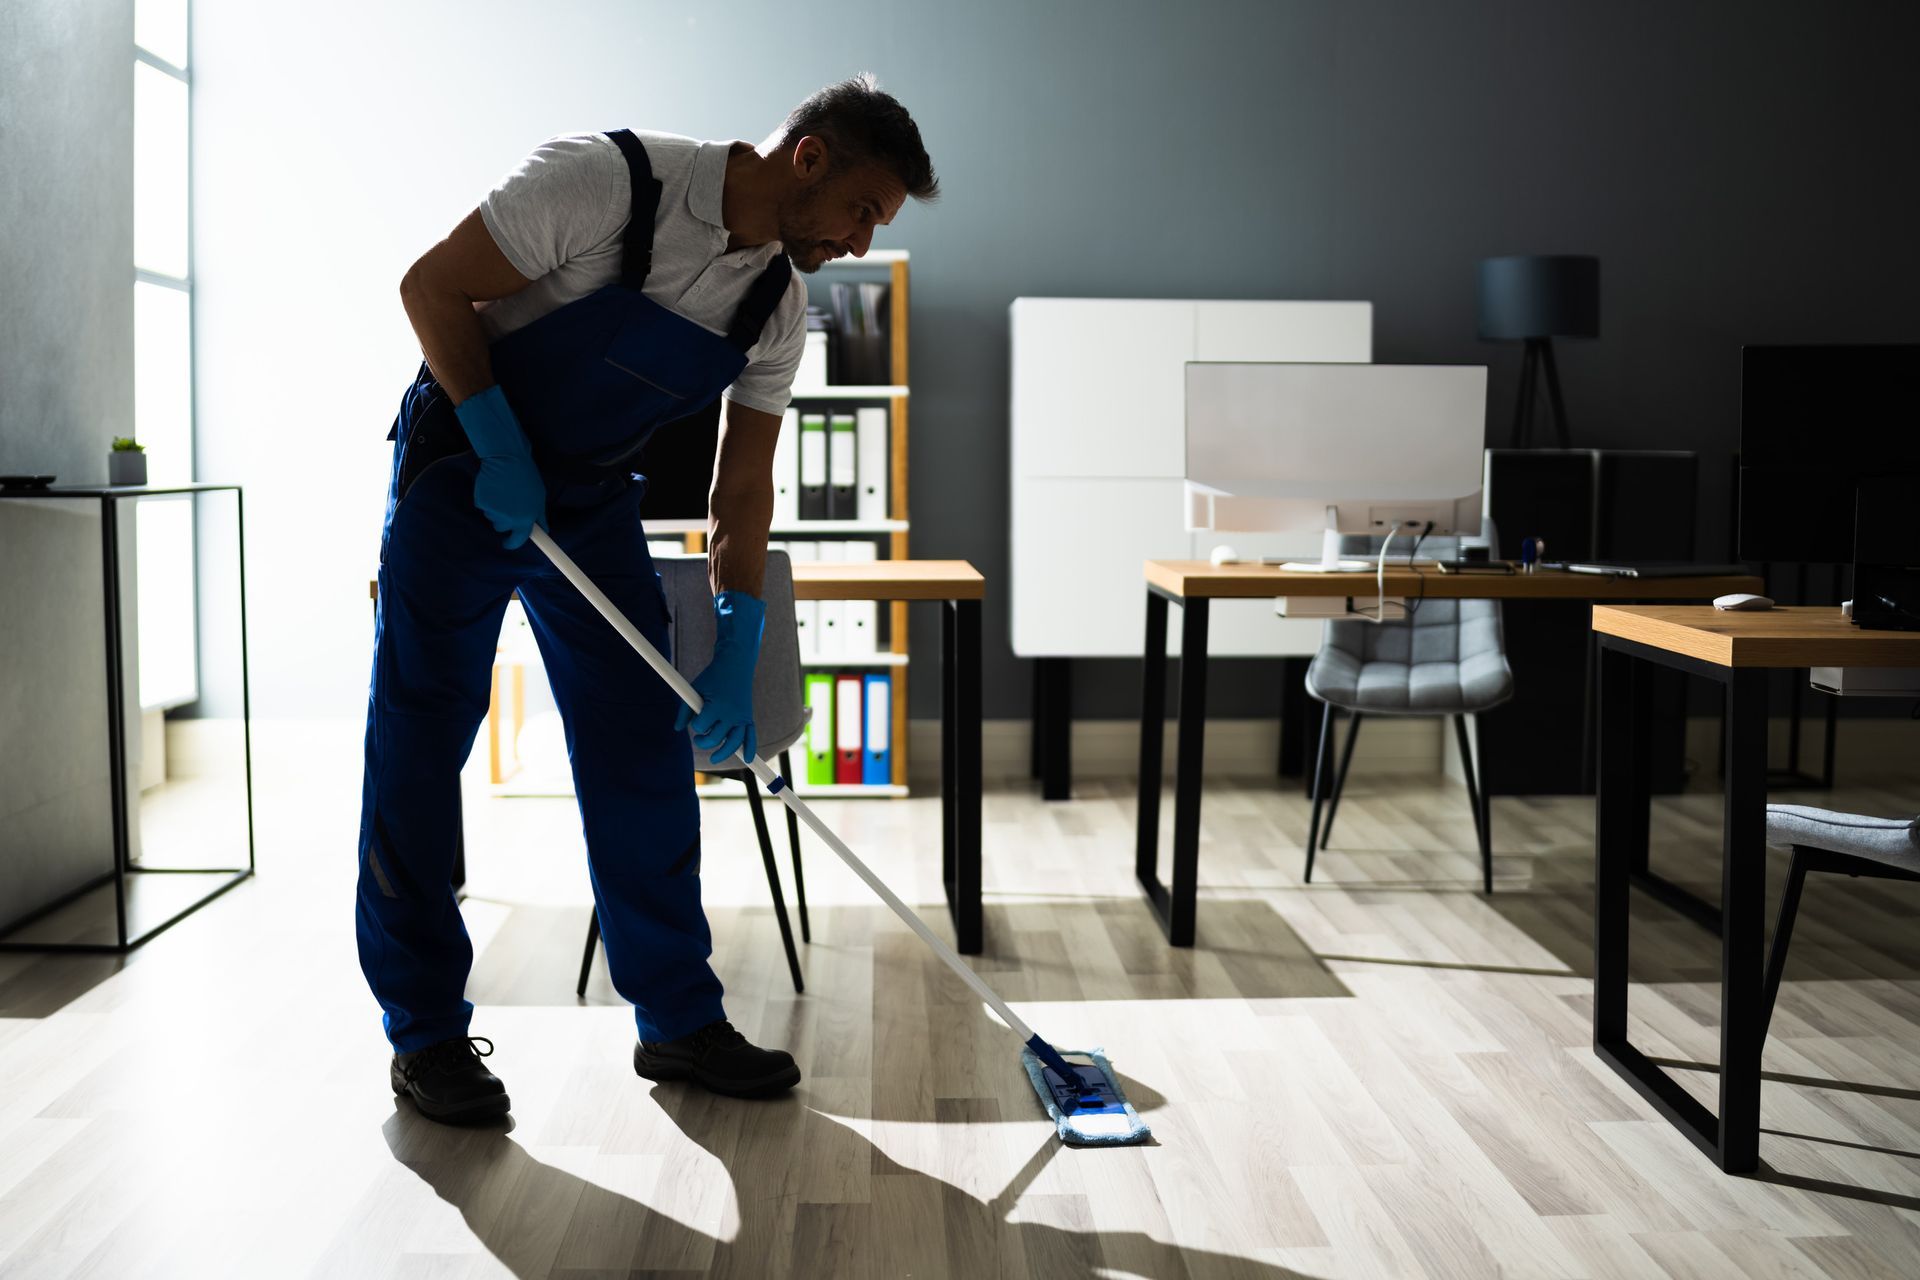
[890, 266]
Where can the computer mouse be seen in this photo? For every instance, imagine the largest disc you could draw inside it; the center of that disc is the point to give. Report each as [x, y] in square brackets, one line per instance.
[1743, 600]
[1225, 555]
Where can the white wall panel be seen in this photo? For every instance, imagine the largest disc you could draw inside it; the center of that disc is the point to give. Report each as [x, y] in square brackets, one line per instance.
[1099, 386]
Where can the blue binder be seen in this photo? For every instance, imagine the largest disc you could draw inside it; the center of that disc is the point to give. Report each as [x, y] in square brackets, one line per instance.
[876, 742]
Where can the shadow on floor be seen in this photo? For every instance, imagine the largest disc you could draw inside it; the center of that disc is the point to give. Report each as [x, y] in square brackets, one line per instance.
[1245, 950]
[813, 1198]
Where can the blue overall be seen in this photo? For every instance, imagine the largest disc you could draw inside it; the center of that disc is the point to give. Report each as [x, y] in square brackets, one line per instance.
[588, 382]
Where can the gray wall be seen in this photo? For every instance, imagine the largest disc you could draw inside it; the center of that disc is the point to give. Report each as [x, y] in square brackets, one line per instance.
[66, 235]
[66, 389]
[1744, 172]
[1741, 169]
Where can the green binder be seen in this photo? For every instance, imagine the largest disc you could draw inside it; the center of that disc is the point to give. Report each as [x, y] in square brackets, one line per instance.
[820, 727]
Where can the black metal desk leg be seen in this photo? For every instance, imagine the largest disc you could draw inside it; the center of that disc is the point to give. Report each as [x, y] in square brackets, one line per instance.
[1153, 710]
[1617, 828]
[949, 753]
[1743, 891]
[1189, 750]
[964, 896]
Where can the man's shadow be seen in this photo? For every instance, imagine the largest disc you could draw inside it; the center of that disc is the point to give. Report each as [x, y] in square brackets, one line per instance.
[813, 1197]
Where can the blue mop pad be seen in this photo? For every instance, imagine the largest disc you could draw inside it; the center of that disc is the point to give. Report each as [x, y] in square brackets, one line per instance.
[1089, 1111]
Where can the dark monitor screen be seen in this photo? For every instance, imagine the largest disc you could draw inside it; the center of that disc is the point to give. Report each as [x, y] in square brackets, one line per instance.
[1814, 423]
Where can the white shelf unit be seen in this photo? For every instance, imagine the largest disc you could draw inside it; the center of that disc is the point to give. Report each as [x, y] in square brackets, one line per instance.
[1098, 481]
[893, 263]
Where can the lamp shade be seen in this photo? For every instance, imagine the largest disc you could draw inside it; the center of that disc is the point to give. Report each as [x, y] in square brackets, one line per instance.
[1539, 296]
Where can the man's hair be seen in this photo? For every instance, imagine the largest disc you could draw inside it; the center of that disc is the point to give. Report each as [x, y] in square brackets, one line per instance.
[861, 124]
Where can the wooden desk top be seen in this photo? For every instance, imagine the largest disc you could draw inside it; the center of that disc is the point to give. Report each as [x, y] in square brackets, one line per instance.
[1201, 579]
[1803, 636]
[888, 580]
[872, 580]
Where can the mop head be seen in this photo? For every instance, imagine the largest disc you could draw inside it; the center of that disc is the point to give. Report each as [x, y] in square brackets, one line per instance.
[1089, 1111]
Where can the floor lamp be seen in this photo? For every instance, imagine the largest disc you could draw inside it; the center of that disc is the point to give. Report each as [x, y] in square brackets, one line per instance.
[1535, 299]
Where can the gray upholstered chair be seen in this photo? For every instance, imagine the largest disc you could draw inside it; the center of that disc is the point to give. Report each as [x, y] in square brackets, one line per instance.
[1847, 843]
[1447, 659]
[780, 712]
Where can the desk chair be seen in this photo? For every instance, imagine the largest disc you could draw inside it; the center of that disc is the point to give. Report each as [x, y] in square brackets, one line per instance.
[780, 713]
[1847, 843]
[1448, 659]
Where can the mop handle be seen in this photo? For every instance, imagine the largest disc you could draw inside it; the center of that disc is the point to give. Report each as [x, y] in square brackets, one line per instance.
[776, 785]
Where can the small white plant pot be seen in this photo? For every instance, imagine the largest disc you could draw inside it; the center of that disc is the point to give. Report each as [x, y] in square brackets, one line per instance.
[126, 467]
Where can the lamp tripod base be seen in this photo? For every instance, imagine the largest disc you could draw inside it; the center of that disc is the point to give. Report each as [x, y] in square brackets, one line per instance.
[1538, 360]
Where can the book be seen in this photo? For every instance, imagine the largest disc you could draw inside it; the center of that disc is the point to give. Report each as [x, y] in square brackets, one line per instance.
[848, 728]
[843, 495]
[820, 727]
[813, 466]
[876, 744]
[786, 469]
[860, 624]
[870, 463]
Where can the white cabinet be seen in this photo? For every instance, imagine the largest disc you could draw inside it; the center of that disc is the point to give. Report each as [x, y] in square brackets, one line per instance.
[1099, 458]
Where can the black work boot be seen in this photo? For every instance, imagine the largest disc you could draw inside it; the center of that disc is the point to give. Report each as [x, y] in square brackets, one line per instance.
[447, 1081]
[718, 1058]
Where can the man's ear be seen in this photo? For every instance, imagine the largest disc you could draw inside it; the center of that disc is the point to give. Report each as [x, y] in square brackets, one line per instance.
[810, 159]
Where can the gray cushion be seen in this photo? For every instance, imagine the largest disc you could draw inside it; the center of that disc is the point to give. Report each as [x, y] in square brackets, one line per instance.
[1894, 841]
[1449, 658]
[779, 710]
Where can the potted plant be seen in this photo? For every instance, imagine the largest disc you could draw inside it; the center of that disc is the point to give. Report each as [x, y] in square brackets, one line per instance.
[127, 464]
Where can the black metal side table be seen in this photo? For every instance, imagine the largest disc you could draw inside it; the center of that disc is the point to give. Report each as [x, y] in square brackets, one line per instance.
[97, 853]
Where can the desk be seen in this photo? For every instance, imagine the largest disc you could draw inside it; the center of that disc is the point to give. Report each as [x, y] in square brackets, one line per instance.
[1735, 650]
[1192, 584]
[961, 588]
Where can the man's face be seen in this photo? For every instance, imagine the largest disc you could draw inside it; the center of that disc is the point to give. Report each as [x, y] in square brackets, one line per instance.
[834, 213]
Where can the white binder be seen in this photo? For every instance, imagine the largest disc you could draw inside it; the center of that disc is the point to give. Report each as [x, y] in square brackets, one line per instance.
[861, 634]
[786, 470]
[830, 638]
[870, 426]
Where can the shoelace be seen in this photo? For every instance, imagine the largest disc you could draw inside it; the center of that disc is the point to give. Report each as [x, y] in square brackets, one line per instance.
[447, 1053]
[716, 1035]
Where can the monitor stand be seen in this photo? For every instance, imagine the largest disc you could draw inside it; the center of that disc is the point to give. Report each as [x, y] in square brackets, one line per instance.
[1330, 560]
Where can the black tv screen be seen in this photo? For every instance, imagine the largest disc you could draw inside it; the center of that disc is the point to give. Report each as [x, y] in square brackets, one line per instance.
[1814, 422]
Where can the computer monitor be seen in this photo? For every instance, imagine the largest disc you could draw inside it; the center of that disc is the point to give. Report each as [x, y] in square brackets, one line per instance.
[1815, 421]
[1344, 448]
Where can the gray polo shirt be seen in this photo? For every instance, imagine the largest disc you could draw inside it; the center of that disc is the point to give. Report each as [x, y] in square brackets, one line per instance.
[559, 217]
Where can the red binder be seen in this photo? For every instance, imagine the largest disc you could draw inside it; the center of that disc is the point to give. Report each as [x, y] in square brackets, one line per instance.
[846, 722]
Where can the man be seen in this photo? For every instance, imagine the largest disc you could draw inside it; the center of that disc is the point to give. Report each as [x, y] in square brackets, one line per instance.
[610, 284]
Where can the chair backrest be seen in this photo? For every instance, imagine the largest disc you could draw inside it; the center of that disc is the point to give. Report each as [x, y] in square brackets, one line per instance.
[1459, 631]
[779, 708]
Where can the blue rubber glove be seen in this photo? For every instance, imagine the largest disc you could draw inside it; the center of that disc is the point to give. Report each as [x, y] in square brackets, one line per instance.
[508, 490]
[725, 722]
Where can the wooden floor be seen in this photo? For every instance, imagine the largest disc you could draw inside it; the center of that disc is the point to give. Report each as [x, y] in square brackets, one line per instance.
[1381, 1074]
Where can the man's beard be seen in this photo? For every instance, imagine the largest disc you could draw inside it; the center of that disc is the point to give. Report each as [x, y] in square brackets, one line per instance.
[796, 235]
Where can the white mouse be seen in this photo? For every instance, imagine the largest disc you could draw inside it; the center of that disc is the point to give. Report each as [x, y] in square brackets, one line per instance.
[1743, 600]
[1225, 555]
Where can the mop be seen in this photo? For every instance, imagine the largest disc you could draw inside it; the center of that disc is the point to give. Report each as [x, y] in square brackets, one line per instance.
[1079, 1090]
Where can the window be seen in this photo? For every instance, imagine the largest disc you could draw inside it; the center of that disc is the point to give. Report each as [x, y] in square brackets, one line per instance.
[163, 351]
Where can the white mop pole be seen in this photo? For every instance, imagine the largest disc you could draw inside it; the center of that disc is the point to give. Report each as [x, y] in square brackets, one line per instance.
[779, 786]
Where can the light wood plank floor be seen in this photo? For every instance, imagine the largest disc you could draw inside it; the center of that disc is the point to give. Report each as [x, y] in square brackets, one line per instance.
[1381, 1074]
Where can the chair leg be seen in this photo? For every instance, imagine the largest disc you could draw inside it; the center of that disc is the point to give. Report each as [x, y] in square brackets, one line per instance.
[1319, 789]
[773, 880]
[1783, 933]
[1476, 796]
[1340, 778]
[793, 839]
[593, 940]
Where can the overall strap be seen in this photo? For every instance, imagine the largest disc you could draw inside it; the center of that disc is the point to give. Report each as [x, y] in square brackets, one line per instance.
[636, 256]
[758, 306]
